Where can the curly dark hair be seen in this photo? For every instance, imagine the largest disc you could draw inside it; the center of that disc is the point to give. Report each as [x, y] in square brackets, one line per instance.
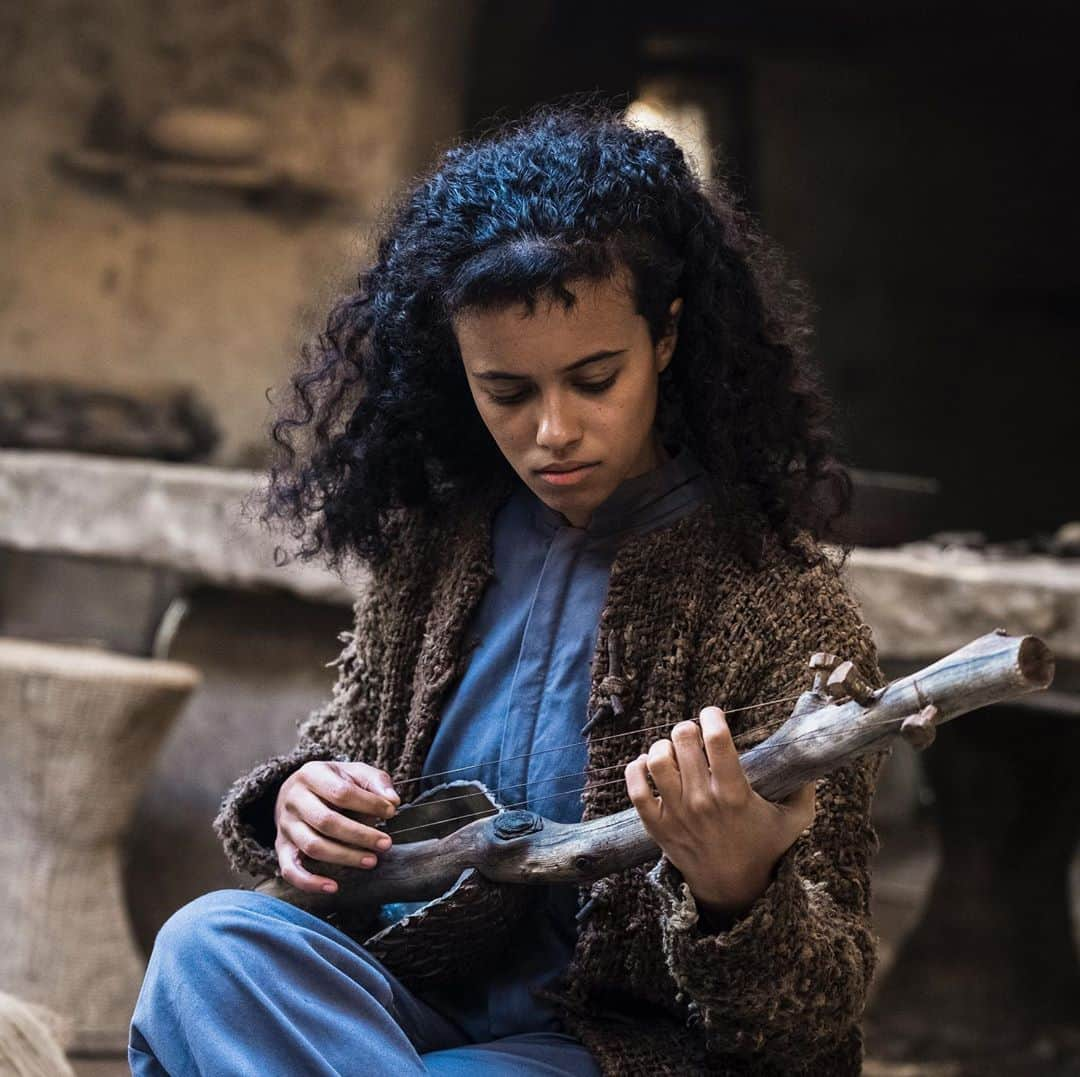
[380, 418]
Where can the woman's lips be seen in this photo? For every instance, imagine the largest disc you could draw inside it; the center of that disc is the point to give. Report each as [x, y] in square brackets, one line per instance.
[566, 478]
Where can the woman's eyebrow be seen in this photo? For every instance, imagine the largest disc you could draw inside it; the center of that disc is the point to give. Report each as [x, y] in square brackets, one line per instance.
[502, 375]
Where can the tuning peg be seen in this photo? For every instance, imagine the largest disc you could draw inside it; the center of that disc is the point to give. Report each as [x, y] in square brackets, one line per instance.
[919, 730]
[845, 681]
[822, 664]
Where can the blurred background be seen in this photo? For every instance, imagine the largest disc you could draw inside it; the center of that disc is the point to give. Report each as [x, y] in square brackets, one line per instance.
[184, 189]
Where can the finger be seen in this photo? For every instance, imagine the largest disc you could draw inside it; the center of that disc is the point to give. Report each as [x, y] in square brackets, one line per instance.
[690, 757]
[369, 777]
[317, 847]
[728, 776]
[321, 817]
[664, 768]
[295, 874]
[641, 794]
[340, 789]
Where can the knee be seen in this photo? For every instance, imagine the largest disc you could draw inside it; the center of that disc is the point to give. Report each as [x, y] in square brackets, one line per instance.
[227, 936]
[206, 949]
[204, 923]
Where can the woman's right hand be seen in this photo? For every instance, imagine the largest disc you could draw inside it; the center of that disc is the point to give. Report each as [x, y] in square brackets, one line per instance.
[309, 822]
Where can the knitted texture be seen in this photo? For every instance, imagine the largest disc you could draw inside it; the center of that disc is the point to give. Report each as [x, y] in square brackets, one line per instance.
[687, 623]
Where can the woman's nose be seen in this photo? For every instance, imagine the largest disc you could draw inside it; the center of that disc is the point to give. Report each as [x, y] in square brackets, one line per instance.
[558, 426]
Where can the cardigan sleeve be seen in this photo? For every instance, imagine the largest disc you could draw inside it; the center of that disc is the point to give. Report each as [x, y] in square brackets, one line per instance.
[788, 980]
[340, 729]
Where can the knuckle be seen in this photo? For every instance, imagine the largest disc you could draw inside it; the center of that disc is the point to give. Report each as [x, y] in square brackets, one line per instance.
[290, 869]
[731, 796]
[718, 743]
[699, 803]
[322, 818]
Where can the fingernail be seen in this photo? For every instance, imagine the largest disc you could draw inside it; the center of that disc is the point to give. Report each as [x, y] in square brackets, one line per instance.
[382, 843]
[329, 888]
[367, 861]
[389, 793]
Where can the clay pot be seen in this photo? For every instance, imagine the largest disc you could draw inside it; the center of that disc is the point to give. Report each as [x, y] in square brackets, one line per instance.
[225, 136]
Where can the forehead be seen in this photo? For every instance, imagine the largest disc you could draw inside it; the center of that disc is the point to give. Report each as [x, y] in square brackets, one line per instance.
[603, 317]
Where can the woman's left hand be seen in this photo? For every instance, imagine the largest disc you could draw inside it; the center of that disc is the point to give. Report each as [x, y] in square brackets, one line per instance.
[723, 837]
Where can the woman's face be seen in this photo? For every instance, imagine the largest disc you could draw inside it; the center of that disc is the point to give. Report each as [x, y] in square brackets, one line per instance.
[569, 388]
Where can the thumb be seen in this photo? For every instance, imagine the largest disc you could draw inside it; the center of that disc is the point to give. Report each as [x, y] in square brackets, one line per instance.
[801, 804]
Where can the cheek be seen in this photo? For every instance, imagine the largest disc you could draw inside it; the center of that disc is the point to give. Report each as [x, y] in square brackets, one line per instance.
[504, 424]
[632, 407]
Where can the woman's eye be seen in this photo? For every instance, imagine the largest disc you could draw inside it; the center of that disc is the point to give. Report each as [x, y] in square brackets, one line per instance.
[515, 399]
[598, 386]
[593, 387]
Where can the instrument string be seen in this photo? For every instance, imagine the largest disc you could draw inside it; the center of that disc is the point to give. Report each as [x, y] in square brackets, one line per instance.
[810, 735]
[593, 740]
[587, 773]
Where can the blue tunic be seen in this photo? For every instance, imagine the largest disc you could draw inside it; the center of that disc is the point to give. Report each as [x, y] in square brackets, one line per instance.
[515, 717]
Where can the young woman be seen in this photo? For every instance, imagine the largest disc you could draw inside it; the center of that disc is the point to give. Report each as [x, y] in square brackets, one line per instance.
[568, 423]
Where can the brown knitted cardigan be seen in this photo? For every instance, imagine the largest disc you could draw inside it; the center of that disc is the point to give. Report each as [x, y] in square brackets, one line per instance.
[687, 622]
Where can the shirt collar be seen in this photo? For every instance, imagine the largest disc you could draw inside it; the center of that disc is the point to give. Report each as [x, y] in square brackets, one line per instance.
[638, 503]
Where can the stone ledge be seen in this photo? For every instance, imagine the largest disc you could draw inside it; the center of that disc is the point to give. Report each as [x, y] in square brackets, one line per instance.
[178, 516]
[920, 600]
[923, 602]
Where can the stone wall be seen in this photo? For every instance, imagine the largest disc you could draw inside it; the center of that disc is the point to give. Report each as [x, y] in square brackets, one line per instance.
[197, 286]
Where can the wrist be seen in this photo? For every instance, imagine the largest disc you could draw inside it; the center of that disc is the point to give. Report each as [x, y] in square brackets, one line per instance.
[719, 915]
[724, 907]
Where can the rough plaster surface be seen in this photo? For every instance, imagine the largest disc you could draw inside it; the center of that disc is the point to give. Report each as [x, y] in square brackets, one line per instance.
[193, 287]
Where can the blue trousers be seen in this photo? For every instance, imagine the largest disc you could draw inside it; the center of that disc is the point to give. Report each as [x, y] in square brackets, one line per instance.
[240, 983]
